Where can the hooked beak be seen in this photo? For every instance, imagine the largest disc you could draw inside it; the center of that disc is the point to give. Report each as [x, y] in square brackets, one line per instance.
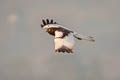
[45, 30]
[46, 27]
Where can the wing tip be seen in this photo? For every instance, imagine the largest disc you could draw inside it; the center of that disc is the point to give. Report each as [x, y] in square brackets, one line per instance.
[46, 22]
[64, 49]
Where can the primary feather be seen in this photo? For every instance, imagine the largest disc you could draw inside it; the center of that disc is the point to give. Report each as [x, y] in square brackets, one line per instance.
[63, 37]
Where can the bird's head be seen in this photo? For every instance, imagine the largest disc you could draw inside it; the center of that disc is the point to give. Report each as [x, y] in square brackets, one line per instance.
[50, 26]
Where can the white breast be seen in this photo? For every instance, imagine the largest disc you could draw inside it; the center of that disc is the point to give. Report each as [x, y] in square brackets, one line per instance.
[67, 41]
[58, 34]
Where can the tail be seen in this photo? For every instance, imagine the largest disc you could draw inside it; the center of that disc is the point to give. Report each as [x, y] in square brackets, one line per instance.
[81, 37]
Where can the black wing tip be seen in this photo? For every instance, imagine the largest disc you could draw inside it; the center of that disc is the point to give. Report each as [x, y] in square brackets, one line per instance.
[47, 21]
[64, 49]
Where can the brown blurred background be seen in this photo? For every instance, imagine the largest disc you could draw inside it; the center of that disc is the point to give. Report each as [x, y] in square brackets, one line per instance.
[27, 52]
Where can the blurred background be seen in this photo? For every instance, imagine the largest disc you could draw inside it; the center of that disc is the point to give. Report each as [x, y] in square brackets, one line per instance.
[27, 52]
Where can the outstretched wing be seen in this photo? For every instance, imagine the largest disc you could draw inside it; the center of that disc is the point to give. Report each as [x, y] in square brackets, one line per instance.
[63, 44]
[82, 37]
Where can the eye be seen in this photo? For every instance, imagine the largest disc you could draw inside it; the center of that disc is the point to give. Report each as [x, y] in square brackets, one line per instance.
[49, 30]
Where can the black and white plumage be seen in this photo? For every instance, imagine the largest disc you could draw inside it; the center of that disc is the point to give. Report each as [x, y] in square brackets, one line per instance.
[63, 37]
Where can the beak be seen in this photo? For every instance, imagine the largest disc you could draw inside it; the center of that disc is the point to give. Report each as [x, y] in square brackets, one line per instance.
[45, 30]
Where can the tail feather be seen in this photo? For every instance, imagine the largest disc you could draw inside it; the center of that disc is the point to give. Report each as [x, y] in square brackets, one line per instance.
[90, 38]
[81, 37]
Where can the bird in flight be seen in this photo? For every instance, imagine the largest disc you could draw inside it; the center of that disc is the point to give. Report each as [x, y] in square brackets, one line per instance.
[63, 37]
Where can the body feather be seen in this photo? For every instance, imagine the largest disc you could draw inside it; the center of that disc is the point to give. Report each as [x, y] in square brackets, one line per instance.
[63, 37]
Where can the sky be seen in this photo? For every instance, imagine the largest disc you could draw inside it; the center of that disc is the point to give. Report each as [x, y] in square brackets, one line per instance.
[27, 51]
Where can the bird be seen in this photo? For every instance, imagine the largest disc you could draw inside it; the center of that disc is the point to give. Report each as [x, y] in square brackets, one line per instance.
[63, 37]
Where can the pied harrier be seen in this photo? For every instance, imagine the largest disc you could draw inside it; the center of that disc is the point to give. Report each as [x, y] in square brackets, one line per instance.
[63, 37]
